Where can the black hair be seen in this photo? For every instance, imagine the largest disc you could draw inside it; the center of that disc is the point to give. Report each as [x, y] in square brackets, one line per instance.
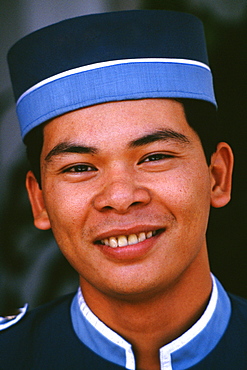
[34, 144]
[200, 115]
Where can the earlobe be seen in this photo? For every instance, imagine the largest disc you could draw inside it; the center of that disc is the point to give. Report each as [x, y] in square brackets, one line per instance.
[221, 175]
[41, 219]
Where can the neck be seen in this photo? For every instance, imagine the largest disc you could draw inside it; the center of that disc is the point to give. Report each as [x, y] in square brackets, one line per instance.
[150, 323]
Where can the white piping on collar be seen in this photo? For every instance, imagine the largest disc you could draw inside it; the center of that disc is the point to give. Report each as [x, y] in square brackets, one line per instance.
[107, 332]
[168, 349]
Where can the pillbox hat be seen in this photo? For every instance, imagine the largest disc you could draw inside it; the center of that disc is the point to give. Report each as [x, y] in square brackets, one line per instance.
[107, 57]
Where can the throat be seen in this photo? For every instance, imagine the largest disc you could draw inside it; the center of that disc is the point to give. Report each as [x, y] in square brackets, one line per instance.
[151, 323]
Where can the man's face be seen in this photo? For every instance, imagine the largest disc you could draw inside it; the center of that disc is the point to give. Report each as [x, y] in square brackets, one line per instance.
[121, 173]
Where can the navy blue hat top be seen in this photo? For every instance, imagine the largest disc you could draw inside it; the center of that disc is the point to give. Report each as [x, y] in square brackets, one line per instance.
[108, 57]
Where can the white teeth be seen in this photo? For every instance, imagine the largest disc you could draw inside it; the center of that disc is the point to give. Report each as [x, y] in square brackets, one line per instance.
[141, 237]
[113, 242]
[123, 241]
[132, 239]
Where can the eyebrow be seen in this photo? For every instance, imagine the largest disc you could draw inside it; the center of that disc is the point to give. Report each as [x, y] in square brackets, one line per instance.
[160, 135]
[68, 147]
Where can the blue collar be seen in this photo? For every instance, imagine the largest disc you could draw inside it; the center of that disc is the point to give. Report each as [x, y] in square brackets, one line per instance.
[182, 353]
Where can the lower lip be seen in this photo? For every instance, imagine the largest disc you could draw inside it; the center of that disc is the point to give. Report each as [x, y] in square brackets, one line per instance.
[130, 252]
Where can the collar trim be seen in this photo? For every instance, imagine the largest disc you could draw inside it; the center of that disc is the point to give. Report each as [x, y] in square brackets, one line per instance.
[106, 331]
[184, 352]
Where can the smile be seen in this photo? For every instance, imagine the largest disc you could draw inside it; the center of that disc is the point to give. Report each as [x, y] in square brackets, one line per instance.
[125, 240]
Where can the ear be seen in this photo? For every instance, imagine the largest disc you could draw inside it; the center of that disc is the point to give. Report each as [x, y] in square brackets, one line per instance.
[221, 175]
[41, 219]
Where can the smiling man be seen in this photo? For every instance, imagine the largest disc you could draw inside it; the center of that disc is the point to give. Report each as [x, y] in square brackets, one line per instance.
[111, 108]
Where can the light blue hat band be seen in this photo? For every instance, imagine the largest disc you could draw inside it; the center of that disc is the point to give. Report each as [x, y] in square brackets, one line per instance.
[114, 81]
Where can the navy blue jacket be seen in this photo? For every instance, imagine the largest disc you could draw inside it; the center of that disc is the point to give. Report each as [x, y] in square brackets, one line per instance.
[45, 340]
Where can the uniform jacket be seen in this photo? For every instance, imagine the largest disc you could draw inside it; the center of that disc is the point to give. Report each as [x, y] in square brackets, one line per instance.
[44, 339]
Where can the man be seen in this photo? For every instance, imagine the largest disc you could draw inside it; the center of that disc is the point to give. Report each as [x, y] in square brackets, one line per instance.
[110, 107]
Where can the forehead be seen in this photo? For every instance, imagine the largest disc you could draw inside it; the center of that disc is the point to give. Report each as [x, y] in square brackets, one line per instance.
[117, 121]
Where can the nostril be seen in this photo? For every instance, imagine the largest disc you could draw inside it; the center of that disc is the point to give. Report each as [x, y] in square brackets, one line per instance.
[136, 203]
[121, 208]
[107, 208]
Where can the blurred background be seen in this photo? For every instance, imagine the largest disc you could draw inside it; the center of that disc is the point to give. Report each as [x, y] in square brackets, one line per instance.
[31, 267]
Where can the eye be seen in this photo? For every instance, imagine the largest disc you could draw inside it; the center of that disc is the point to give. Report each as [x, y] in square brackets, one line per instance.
[156, 157]
[80, 168]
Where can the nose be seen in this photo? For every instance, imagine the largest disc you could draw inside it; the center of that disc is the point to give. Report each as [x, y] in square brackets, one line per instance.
[120, 195]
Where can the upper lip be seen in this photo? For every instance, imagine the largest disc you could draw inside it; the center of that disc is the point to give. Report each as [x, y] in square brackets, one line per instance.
[127, 231]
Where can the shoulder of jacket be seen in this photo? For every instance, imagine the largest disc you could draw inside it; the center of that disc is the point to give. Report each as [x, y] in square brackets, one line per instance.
[12, 319]
[46, 312]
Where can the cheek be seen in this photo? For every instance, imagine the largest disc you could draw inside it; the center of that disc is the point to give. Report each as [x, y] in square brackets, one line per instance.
[186, 195]
[67, 207]
[67, 211]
